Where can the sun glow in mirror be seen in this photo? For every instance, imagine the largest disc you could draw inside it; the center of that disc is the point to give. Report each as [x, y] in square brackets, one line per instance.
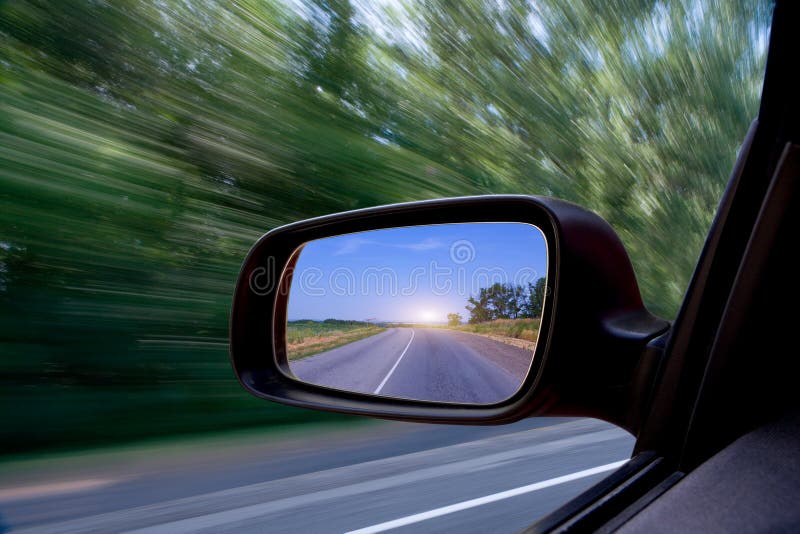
[446, 312]
[428, 316]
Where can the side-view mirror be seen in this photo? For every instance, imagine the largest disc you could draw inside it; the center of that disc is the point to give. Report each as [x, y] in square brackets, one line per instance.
[466, 310]
[382, 311]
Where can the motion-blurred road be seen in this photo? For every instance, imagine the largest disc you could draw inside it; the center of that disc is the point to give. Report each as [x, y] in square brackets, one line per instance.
[370, 478]
[421, 363]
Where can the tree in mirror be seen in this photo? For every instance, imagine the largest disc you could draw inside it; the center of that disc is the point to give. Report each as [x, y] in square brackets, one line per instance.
[445, 312]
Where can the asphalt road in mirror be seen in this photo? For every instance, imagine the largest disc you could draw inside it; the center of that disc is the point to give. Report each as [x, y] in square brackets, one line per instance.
[372, 477]
[423, 364]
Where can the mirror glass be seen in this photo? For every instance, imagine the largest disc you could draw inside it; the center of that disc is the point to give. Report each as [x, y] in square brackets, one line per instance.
[446, 312]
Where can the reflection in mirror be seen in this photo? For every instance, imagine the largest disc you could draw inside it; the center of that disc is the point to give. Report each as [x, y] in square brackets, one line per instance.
[445, 313]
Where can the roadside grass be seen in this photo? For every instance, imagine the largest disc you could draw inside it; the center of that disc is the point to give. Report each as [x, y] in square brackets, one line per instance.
[306, 338]
[525, 329]
[517, 332]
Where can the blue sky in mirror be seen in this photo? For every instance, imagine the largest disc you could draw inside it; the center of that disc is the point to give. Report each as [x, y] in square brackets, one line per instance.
[412, 274]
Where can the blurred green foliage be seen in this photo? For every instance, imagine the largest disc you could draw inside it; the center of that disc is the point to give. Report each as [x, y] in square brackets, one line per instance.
[145, 145]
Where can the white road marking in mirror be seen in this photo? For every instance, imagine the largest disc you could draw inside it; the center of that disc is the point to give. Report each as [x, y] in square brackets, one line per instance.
[383, 383]
[430, 514]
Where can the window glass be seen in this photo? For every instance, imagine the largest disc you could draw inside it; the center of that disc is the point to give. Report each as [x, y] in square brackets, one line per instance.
[144, 146]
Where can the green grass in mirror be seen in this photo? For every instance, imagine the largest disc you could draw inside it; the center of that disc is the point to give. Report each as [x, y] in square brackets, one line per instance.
[307, 337]
[517, 332]
[526, 329]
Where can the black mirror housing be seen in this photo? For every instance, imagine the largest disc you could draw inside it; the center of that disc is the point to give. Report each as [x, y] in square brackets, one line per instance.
[593, 332]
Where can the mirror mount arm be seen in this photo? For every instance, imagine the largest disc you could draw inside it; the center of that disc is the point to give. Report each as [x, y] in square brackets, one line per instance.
[598, 344]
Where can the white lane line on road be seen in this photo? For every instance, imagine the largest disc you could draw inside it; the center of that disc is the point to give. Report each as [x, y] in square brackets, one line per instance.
[199, 515]
[464, 505]
[395, 364]
[260, 502]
